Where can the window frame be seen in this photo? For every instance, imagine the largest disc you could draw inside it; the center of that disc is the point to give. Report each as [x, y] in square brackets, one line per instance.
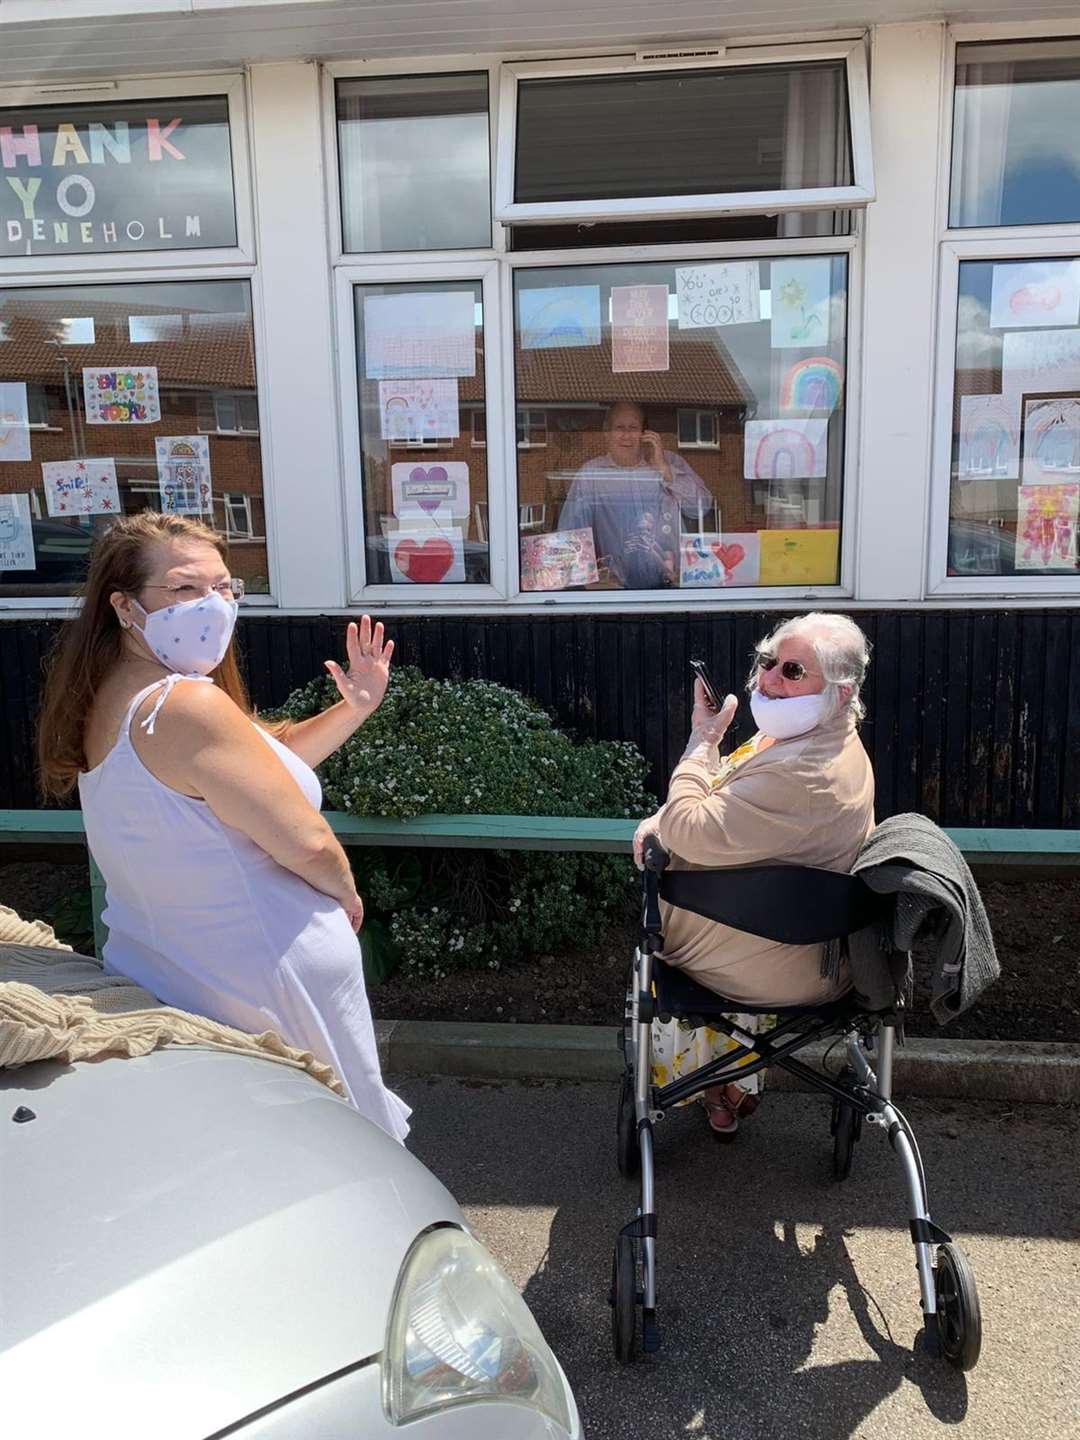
[860, 193]
[697, 412]
[530, 411]
[228, 496]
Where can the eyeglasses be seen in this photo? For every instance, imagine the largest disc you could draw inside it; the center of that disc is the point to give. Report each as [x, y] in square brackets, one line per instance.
[231, 589]
[790, 669]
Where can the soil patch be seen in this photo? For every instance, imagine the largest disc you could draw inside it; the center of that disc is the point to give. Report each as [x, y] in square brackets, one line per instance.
[1036, 925]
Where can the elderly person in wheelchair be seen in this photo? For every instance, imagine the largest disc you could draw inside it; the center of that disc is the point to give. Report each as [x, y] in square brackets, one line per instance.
[800, 792]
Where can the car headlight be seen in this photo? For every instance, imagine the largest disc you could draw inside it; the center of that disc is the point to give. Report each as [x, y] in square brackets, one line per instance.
[460, 1332]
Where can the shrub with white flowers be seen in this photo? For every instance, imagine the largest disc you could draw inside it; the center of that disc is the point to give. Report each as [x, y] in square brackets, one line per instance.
[452, 748]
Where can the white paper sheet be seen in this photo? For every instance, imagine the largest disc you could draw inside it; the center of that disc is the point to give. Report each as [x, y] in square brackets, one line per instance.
[14, 422]
[724, 294]
[1035, 292]
[989, 438]
[81, 487]
[121, 395]
[559, 317]
[411, 410]
[792, 449]
[426, 557]
[183, 464]
[800, 293]
[16, 533]
[420, 336]
[439, 490]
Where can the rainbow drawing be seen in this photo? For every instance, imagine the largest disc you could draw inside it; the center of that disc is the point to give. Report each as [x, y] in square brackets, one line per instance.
[815, 383]
[785, 449]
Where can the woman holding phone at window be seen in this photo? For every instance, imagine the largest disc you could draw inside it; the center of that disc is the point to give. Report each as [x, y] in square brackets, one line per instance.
[226, 891]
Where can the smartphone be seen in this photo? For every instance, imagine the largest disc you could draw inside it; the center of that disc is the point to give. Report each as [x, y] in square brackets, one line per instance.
[701, 670]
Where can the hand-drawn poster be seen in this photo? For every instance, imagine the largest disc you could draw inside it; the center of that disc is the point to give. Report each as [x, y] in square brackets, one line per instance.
[989, 438]
[801, 296]
[799, 557]
[427, 557]
[785, 449]
[559, 317]
[816, 383]
[717, 560]
[14, 423]
[16, 534]
[420, 336]
[81, 487]
[1046, 525]
[725, 294]
[121, 396]
[1040, 361]
[412, 410]
[639, 328]
[183, 466]
[1035, 292]
[1051, 442]
[558, 560]
[438, 491]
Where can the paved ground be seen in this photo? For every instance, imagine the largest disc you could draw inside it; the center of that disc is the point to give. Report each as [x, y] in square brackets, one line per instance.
[789, 1303]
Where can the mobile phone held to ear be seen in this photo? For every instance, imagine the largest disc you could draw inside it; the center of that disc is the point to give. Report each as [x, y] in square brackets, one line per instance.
[701, 670]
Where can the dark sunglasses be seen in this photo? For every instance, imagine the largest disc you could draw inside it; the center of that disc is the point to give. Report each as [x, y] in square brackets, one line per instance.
[790, 669]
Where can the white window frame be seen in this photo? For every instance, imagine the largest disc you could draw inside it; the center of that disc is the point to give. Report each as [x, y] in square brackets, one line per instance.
[991, 242]
[414, 273]
[697, 412]
[683, 207]
[228, 496]
[232, 86]
[213, 396]
[528, 411]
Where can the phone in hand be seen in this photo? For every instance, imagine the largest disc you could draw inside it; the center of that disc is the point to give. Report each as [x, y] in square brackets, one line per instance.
[701, 670]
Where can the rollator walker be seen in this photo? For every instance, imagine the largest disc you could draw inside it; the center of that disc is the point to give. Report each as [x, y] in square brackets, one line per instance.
[793, 905]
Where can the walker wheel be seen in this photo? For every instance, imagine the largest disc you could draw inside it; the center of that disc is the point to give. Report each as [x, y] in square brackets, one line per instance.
[624, 1301]
[958, 1314]
[627, 1149]
[846, 1129]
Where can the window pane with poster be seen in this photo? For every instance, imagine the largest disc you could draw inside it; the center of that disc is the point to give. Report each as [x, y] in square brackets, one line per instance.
[420, 365]
[118, 398]
[1015, 481]
[695, 423]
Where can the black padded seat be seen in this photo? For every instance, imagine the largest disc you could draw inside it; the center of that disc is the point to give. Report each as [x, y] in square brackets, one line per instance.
[678, 994]
[790, 904]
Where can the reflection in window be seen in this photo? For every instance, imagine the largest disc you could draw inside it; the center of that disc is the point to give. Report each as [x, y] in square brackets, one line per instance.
[93, 423]
[420, 364]
[531, 429]
[1015, 483]
[1015, 122]
[695, 423]
[414, 159]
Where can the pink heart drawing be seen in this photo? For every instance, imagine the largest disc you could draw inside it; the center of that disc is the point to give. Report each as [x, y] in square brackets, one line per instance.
[424, 564]
[729, 556]
[434, 474]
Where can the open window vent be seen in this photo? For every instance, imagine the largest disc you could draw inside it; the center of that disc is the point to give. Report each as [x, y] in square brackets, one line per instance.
[681, 55]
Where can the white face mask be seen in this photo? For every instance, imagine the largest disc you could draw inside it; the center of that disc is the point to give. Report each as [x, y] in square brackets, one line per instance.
[782, 719]
[192, 637]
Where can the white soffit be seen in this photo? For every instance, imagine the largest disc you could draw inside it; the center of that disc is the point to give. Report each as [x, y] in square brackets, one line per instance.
[43, 41]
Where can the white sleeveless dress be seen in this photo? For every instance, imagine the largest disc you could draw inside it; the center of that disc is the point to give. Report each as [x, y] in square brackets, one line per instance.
[205, 919]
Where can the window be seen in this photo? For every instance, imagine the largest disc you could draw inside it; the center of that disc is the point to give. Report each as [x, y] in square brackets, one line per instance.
[531, 429]
[237, 509]
[586, 142]
[420, 364]
[698, 430]
[1016, 119]
[413, 153]
[1014, 491]
[149, 329]
[478, 429]
[628, 361]
[92, 428]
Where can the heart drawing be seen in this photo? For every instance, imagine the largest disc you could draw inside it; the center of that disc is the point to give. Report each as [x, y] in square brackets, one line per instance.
[424, 564]
[430, 475]
[729, 556]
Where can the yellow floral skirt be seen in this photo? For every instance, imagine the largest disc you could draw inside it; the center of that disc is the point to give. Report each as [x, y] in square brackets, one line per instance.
[679, 1048]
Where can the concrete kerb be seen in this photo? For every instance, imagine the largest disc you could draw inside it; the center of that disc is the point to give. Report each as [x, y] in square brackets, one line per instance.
[999, 1070]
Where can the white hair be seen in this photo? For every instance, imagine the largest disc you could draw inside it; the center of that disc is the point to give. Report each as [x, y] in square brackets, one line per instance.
[842, 650]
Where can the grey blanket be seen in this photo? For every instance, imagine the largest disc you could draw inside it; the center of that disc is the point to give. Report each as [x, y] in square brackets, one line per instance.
[937, 902]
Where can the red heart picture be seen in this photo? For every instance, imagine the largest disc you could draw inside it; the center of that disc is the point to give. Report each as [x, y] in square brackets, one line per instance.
[424, 564]
[729, 555]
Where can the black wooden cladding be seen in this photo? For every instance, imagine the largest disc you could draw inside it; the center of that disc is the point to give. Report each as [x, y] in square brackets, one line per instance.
[974, 716]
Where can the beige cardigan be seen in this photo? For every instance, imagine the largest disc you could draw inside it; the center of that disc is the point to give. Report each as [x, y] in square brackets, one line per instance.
[806, 801]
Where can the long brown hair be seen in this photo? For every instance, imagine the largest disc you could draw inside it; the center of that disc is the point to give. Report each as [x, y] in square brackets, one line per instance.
[92, 643]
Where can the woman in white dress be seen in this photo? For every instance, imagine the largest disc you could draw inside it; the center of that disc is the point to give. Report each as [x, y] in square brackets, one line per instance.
[227, 893]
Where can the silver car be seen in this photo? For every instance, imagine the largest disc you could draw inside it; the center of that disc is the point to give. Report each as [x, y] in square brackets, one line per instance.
[197, 1244]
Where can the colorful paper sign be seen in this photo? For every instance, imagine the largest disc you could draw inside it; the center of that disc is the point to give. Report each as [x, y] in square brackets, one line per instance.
[816, 383]
[16, 534]
[415, 410]
[1046, 526]
[81, 487]
[785, 449]
[989, 438]
[1035, 292]
[427, 557]
[801, 297]
[709, 560]
[14, 422]
[183, 465]
[639, 329]
[559, 317]
[420, 335]
[121, 397]
[558, 560]
[439, 491]
[725, 294]
[1051, 442]
[799, 557]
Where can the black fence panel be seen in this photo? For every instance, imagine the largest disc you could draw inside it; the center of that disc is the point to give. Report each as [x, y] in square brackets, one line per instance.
[973, 715]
